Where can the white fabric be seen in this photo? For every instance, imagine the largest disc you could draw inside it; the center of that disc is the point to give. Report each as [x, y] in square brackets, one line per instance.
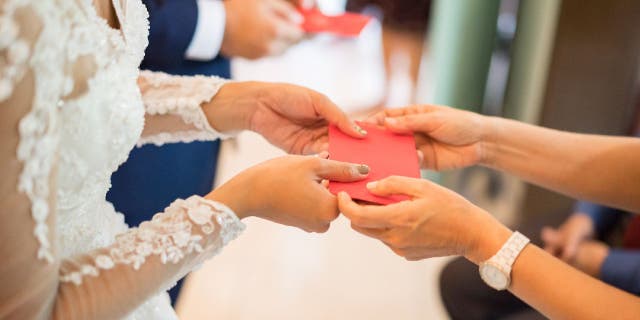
[207, 38]
[71, 105]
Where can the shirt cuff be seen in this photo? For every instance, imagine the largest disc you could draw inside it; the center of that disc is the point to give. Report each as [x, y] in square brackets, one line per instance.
[207, 38]
[621, 269]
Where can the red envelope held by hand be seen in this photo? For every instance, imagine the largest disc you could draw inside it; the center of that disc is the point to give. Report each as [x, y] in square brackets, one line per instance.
[386, 154]
[346, 25]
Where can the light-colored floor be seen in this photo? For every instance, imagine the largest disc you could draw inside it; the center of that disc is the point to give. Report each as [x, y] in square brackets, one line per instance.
[276, 272]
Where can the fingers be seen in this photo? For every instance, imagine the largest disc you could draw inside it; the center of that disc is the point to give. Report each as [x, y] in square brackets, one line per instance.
[340, 171]
[317, 145]
[286, 11]
[370, 232]
[307, 4]
[570, 249]
[329, 111]
[412, 123]
[288, 34]
[551, 239]
[396, 185]
[366, 216]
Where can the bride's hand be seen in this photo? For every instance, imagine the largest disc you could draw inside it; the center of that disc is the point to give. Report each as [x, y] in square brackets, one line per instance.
[289, 190]
[292, 118]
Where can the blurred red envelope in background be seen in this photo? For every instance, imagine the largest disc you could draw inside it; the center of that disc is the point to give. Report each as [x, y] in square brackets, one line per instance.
[345, 25]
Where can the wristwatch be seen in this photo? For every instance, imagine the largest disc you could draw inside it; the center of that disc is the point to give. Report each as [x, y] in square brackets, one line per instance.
[496, 272]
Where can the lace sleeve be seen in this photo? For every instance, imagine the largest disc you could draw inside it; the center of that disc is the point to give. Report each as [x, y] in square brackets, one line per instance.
[112, 281]
[106, 283]
[174, 107]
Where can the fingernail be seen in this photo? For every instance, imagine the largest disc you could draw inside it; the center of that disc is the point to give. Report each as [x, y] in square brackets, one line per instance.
[360, 130]
[363, 169]
[372, 185]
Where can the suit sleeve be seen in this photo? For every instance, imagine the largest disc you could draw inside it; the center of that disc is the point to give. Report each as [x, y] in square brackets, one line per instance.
[621, 269]
[172, 27]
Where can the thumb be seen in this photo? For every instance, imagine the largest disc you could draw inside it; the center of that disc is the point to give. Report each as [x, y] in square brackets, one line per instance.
[341, 171]
[397, 185]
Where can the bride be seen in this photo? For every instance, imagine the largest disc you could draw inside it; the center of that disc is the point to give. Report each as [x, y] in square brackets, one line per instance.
[73, 104]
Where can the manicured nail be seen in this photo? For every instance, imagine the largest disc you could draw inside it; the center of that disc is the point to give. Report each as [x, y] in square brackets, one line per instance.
[363, 169]
[323, 155]
[360, 130]
[372, 185]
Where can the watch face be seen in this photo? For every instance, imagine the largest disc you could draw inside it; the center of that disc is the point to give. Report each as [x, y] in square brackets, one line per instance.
[494, 277]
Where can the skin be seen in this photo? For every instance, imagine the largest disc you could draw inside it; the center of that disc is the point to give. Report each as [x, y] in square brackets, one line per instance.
[573, 243]
[438, 222]
[259, 28]
[289, 191]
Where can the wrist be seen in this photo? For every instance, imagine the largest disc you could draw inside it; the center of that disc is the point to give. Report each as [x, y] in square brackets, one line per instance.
[488, 237]
[232, 198]
[490, 140]
[232, 107]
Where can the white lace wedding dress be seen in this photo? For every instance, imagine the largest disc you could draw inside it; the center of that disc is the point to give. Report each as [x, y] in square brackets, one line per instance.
[72, 105]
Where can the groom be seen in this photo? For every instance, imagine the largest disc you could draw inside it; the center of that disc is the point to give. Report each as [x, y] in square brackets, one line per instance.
[189, 37]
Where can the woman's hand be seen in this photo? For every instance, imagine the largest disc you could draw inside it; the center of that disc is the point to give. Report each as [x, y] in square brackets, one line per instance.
[435, 222]
[292, 118]
[289, 190]
[446, 138]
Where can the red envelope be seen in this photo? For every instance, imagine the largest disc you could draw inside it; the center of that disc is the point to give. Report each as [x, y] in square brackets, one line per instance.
[346, 25]
[385, 153]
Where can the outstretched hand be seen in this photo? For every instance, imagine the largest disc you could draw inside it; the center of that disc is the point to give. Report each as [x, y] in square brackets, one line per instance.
[435, 222]
[446, 138]
[293, 118]
[289, 190]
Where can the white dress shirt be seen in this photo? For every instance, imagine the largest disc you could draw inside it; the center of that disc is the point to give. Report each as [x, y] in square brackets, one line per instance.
[207, 39]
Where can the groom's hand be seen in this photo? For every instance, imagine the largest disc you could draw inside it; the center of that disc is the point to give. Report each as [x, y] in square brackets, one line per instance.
[291, 117]
[289, 190]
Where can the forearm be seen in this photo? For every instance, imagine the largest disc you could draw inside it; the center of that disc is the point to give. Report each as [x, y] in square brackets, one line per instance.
[598, 168]
[549, 285]
[562, 292]
[144, 261]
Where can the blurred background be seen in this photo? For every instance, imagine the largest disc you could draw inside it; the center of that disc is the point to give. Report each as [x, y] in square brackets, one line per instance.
[570, 64]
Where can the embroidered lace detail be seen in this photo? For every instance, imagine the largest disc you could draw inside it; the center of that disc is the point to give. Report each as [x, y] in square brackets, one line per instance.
[160, 92]
[185, 227]
[38, 128]
[15, 50]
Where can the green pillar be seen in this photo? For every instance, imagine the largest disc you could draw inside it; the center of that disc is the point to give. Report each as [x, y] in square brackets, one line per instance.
[462, 37]
[532, 49]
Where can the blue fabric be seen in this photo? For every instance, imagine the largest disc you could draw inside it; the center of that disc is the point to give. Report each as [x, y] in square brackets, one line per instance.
[604, 218]
[153, 177]
[621, 269]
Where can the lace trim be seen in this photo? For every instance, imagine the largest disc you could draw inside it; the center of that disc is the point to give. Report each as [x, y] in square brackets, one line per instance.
[16, 51]
[193, 92]
[169, 235]
[38, 128]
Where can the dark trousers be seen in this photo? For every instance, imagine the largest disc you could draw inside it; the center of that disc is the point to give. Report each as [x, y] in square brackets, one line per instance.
[466, 296]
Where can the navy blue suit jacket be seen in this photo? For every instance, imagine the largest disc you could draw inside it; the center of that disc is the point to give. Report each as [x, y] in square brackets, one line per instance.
[153, 176]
